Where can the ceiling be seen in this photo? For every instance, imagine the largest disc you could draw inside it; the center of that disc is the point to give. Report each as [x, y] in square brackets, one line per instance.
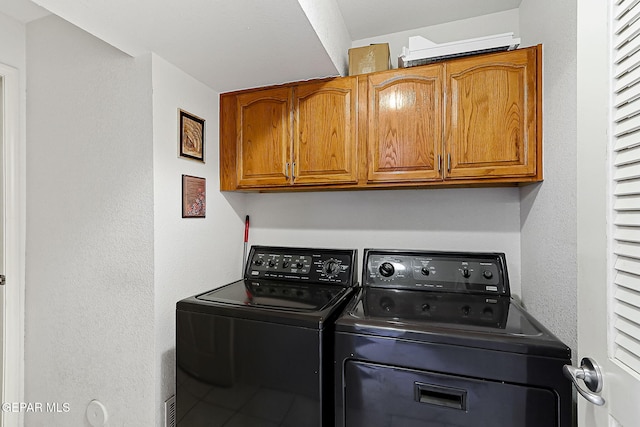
[234, 44]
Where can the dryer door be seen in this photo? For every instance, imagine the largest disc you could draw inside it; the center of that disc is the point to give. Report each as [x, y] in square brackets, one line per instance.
[387, 396]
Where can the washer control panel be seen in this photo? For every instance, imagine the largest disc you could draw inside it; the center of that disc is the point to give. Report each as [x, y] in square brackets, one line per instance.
[465, 272]
[336, 266]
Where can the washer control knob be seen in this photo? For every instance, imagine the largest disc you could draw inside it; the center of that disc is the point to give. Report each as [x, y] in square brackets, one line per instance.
[271, 263]
[465, 273]
[425, 271]
[487, 274]
[299, 265]
[258, 262]
[285, 264]
[386, 269]
[331, 268]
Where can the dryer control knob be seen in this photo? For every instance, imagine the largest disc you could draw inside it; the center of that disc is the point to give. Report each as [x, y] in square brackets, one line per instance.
[386, 269]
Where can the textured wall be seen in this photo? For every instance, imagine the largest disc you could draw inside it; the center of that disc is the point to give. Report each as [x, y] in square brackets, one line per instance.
[548, 210]
[485, 219]
[89, 291]
[327, 22]
[191, 255]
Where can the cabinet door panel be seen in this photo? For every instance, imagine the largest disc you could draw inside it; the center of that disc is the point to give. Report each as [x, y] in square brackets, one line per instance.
[264, 141]
[491, 125]
[325, 148]
[405, 125]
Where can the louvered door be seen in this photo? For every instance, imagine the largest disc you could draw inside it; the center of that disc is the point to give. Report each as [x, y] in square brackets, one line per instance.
[625, 287]
[608, 206]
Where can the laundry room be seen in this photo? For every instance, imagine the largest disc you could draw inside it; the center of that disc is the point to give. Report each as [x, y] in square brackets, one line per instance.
[109, 249]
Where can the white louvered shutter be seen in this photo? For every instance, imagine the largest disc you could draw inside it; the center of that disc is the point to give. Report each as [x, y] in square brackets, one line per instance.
[626, 183]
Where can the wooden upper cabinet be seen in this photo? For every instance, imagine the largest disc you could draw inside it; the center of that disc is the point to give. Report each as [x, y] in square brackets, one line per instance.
[405, 116]
[492, 116]
[324, 132]
[263, 122]
[468, 121]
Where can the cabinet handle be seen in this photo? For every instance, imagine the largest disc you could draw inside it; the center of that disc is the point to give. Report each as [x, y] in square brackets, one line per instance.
[448, 162]
[293, 170]
[439, 163]
[286, 170]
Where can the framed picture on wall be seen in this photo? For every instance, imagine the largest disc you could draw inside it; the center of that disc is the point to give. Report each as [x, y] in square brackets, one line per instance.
[194, 201]
[191, 136]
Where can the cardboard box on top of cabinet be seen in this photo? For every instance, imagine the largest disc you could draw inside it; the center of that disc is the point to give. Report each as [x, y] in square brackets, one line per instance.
[368, 59]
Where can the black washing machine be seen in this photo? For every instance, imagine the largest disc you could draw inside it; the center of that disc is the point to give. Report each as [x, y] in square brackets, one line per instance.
[434, 339]
[259, 352]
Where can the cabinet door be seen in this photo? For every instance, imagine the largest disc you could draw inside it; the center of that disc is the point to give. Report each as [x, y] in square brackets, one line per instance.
[404, 141]
[491, 126]
[264, 138]
[324, 143]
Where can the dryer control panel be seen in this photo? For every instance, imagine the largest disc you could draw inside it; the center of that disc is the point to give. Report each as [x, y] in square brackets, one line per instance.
[336, 266]
[464, 272]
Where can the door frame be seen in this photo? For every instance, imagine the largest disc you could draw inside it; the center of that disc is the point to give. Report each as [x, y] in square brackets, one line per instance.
[14, 233]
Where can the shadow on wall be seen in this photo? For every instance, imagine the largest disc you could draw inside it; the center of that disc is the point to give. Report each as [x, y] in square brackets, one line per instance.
[528, 195]
[237, 202]
[463, 209]
[168, 370]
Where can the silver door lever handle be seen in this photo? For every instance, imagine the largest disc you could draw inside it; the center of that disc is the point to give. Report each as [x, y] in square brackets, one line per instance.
[589, 372]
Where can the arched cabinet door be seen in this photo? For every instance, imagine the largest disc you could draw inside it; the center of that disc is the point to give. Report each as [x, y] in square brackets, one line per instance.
[324, 132]
[263, 138]
[491, 127]
[405, 115]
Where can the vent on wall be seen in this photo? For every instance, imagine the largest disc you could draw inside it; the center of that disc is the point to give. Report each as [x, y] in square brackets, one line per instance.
[170, 412]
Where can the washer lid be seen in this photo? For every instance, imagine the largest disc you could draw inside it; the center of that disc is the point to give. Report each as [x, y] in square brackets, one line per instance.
[296, 304]
[292, 296]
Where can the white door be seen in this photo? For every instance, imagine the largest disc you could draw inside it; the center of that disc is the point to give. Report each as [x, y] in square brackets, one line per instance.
[2, 271]
[12, 201]
[608, 107]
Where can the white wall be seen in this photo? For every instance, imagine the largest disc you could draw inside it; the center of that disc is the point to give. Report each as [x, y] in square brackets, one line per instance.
[191, 255]
[486, 25]
[452, 219]
[327, 22]
[548, 210]
[12, 42]
[89, 292]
